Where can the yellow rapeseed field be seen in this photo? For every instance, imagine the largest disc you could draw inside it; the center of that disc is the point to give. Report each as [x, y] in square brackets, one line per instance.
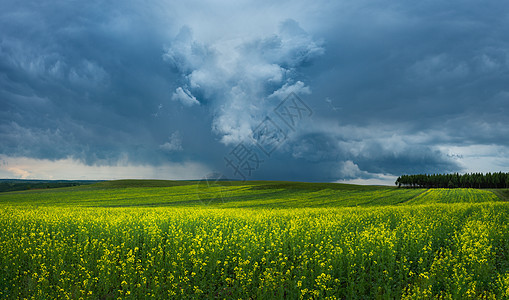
[433, 250]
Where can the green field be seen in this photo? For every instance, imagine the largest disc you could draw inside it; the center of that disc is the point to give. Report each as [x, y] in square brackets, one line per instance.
[253, 240]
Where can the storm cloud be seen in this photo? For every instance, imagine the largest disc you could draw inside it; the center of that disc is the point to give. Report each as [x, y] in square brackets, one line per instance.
[393, 88]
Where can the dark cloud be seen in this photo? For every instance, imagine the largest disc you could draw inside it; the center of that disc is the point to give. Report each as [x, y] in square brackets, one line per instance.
[394, 88]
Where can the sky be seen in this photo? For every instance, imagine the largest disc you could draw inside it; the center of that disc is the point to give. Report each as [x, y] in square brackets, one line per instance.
[323, 91]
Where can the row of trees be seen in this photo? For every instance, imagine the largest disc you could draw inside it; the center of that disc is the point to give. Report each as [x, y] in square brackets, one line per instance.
[470, 180]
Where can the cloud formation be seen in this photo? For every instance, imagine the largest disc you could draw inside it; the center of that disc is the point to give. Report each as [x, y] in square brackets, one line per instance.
[185, 97]
[394, 87]
[241, 78]
[175, 143]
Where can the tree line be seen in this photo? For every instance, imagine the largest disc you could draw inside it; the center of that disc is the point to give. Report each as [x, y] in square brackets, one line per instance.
[10, 185]
[470, 180]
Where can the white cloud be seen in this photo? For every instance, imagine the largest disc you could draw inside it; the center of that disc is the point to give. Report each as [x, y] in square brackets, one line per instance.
[351, 173]
[239, 77]
[379, 179]
[348, 169]
[18, 172]
[298, 88]
[175, 143]
[185, 97]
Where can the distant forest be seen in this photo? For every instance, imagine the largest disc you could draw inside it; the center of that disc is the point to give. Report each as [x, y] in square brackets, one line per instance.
[470, 180]
[10, 185]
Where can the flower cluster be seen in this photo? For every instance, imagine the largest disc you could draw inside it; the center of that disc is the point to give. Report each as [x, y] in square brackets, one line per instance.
[456, 250]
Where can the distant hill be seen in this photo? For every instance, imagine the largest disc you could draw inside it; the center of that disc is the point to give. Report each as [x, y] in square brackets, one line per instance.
[10, 185]
[255, 184]
[135, 183]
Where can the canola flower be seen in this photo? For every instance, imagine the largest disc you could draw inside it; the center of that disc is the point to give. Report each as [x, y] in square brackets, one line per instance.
[455, 250]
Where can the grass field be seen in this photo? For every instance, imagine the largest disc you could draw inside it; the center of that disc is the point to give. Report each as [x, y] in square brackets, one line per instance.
[258, 240]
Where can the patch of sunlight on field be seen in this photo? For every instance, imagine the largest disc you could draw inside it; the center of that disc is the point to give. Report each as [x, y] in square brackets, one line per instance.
[250, 195]
[454, 196]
